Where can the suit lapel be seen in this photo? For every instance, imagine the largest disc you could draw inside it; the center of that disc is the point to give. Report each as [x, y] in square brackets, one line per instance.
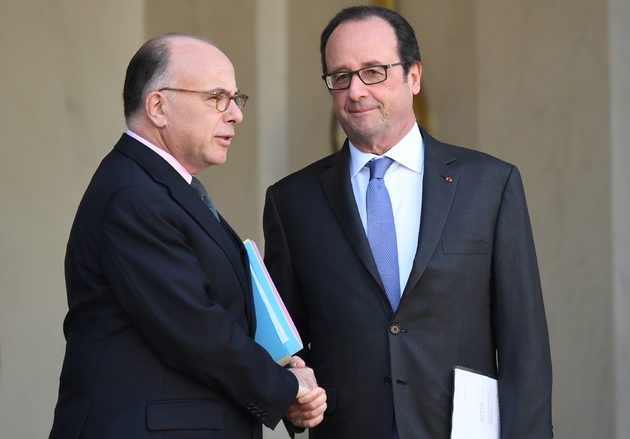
[184, 195]
[221, 233]
[439, 185]
[187, 198]
[338, 189]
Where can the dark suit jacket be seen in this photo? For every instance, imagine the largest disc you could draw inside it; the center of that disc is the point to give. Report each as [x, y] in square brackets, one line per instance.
[160, 323]
[473, 298]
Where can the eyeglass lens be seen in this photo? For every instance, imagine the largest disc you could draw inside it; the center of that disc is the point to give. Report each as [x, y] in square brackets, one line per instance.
[224, 98]
[369, 76]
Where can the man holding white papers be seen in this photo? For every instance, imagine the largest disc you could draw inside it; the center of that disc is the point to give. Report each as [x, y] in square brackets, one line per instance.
[388, 316]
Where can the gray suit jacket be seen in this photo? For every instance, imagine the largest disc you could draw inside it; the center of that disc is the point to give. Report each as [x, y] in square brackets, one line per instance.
[473, 298]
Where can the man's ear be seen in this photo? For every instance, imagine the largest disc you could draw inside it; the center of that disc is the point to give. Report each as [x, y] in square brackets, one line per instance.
[155, 106]
[415, 73]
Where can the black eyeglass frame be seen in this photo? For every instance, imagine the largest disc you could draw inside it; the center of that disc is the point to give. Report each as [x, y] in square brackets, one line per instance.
[219, 95]
[328, 77]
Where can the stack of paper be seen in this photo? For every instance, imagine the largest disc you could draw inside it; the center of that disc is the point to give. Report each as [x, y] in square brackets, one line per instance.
[475, 406]
[275, 330]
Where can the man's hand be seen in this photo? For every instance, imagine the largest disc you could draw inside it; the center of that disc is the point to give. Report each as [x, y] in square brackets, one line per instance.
[308, 409]
[305, 376]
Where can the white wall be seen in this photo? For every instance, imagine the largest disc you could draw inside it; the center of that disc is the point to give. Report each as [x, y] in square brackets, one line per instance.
[60, 111]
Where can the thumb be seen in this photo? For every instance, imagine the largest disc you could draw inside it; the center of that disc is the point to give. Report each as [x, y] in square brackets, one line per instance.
[297, 362]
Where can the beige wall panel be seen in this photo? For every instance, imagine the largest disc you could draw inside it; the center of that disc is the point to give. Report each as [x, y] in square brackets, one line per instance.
[310, 105]
[445, 31]
[620, 180]
[543, 105]
[231, 26]
[61, 77]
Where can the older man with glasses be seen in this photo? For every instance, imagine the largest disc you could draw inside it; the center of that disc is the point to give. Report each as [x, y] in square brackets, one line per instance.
[402, 257]
[161, 322]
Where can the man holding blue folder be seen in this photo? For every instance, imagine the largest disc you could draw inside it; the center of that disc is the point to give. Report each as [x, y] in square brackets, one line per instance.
[161, 317]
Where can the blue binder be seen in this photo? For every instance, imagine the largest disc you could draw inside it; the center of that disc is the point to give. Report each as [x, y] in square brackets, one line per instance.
[275, 330]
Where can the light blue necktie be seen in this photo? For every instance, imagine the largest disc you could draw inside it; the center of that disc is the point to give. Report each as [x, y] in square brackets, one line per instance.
[381, 230]
[203, 194]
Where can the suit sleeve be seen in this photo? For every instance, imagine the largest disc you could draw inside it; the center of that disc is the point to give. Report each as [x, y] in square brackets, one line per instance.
[156, 275]
[519, 323]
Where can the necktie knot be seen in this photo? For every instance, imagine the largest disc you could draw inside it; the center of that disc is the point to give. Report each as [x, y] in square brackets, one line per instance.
[378, 167]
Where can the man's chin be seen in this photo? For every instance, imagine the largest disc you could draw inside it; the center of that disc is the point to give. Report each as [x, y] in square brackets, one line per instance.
[218, 156]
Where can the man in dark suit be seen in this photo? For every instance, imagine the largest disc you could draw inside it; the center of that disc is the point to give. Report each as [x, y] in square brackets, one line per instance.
[465, 289]
[161, 322]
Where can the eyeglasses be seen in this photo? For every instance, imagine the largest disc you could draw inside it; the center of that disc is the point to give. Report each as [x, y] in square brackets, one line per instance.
[369, 76]
[221, 98]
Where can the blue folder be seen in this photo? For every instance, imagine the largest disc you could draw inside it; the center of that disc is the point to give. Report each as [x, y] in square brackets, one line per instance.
[275, 330]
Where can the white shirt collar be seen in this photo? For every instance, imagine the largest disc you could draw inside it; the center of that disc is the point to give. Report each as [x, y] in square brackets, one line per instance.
[408, 152]
[165, 155]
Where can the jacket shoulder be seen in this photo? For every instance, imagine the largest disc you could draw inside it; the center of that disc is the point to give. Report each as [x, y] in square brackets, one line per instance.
[463, 155]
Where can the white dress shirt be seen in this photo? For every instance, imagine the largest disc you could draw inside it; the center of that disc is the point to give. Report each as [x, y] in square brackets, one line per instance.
[403, 180]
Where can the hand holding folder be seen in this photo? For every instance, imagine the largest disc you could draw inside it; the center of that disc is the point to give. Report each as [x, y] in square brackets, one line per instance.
[275, 330]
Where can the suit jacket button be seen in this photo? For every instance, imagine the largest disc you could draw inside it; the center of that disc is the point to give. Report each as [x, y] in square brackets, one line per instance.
[388, 380]
[394, 329]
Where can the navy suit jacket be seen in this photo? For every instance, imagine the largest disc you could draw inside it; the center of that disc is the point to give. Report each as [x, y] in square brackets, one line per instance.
[473, 298]
[160, 322]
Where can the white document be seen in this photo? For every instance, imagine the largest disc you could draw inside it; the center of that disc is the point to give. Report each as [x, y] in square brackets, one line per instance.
[475, 406]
